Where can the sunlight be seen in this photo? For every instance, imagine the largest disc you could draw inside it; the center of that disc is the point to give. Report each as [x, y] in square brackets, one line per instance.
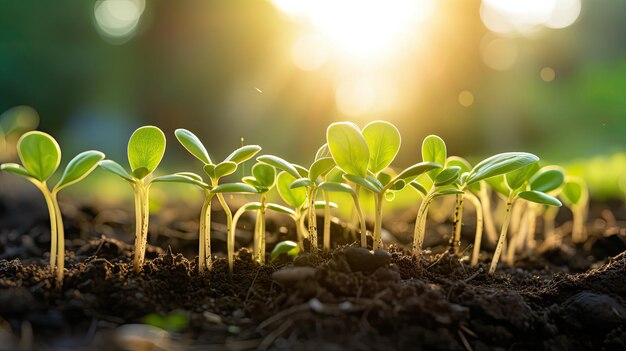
[526, 17]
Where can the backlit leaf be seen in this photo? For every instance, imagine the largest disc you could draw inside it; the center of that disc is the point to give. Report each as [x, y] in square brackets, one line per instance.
[336, 187]
[15, 168]
[519, 177]
[116, 168]
[191, 142]
[434, 150]
[301, 182]
[234, 188]
[500, 164]
[419, 187]
[289, 248]
[225, 168]
[294, 197]
[323, 151]
[264, 174]
[539, 197]
[321, 167]
[348, 148]
[362, 182]
[383, 141]
[279, 163]
[574, 191]
[547, 179]
[40, 154]
[179, 178]
[280, 209]
[447, 176]
[418, 169]
[79, 168]
[145, 150]
[243, 153]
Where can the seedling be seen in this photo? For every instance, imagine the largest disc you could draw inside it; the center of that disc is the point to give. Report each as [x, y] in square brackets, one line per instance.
[146, 147]
[288, 248]
[212, 188]
[517, 185]
[576, 197]
[40, 155]
[363, 156]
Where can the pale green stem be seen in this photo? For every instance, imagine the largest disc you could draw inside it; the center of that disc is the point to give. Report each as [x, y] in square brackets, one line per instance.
[502, 238]
[300, 228]
[455, 242]
[230, 241]
[420, 222]
[204, 250]
[326, 221]
[578, 220]
[517, 238]
[261, 230]
[60, 267]
[378, 221]
[138, 225]
[479, 227]
[359, 213]
[227, 211]
[53, 223]
[549, 217]
[490, 227]
[312, 220]
[532, 227]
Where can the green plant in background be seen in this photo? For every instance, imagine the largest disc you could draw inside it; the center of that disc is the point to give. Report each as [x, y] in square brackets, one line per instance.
[145, 151]
[14, 122]
[296, 198]
[41, 155]
[576, 197]
[287, 247]
[212, 188]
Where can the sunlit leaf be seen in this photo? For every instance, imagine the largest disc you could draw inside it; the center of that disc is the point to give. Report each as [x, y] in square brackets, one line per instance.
[301, 182]
[434, 150]
[191, 175]
[145, 150]
[459, 162]
[337, 187]
[497, 184]
[225, 168]
[348, 148]
[116, 168]
[264, 174]
[191, 142]
[79, 168]
[547, 180]
[362, 182]
[15, 168]
[294, 197]
[519, 177]
[243, 153]
[573, 191]
[321, 167]
[322, 204]
[279, 163]
[447, 176]
[179, 178]
[500, 164]
[418, 169]
[419, 187]
[383, 141]
[234, 188]
[280, 209]
[303, 172]
[209, 169]
[323, 151]
[450, 191]
[40, 154]
[399, 185]
[289, 248]
[539, 197]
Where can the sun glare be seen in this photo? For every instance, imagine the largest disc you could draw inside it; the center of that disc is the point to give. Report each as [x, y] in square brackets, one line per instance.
[526, 17]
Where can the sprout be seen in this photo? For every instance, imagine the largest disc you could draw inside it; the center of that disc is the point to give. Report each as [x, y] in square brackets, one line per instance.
[40, 155]
[212, 188]
[576, 197]
[515, 184]
[288, 248]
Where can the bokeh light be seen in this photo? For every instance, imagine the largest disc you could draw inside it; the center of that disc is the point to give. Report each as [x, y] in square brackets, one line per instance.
[466, 98]
[498, 53]
[309, 52]
[547, 74]
[117, 20]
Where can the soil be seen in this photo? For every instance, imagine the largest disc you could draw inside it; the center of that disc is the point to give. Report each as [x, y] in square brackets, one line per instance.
[569, 298]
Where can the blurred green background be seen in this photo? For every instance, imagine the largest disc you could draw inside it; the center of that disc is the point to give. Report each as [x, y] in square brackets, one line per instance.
[544, 76]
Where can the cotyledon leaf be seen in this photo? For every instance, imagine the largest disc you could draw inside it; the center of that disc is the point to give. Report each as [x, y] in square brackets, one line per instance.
[145, 150]
[40, 154]
[79, 168]
[191, 142]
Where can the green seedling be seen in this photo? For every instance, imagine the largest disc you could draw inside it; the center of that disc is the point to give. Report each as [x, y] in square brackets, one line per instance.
[575, 195]
[363, 156]
[212, 188]
[516, 184]
[146, 147]
[308, 179]
[288, 248]
[40, 155]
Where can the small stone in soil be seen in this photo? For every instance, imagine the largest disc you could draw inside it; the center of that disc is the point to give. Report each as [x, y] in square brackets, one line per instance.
[362, 259]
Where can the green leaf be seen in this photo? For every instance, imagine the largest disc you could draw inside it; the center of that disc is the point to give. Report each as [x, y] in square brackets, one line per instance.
[179, 178]
[251, 206]
[348, 148]
[500, 164]
[336, 187]
[280, 164]
[301, 182]
[289, 248]
[447, 176]
[191, 175]
[323, 151]
[15, 168]
[321, 167]
[497, 183]
[303, 172]
[383, 141]
[117, 169]
[384, 178]
[225, 168]
[209, 169]
[280, 209]
[191, 142]
[264, 174]
[539, 197]
[244, 153]
[419, 187]
[434, 150]
[320, 204]
[547, 179]
[234, 188]
[40, 154]
[459, 162]
[375, 181]
[79, 168]
[449, 191]
[363, 182]
[145, 150]
[294, 197]
[417, 169]
[519, 177]
[399, 185]
[574, 191]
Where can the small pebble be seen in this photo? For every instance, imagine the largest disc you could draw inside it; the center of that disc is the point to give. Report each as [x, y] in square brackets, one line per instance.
[292, 275]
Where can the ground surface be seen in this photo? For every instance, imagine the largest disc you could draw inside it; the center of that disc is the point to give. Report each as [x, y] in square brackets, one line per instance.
[569, 298]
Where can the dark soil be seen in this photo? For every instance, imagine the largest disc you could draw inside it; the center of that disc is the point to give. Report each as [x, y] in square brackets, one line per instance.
[569, 298]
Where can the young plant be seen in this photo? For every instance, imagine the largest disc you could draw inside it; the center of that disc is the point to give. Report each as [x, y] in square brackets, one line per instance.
[296, 198]
[363, 156]
[576, 197]
[516, 185]
[212, 188]
[146, 147]
[40, 155]
[288, 248]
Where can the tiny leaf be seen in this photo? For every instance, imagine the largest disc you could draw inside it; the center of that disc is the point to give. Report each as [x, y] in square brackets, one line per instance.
[500, 164]
[191, 142]
[321, 167]
[362, 182]
[79, 168]
[280, 209]
[15, 168]
[418, 169]
[419, 187]
[289, 248]
[348, 148]
[191, 175]
[547, 180]
[447, 175]
[519, 177]
[434, 150]
[460, 162]
[145, 150]
[243, 153]
[539, 197]
[40, 154]
[573, 191]
[279, 163]
[225, 168]
[301, 182]
[116, 168]
[234, 188]
[323, 151]
[179, 178]
[336, 187]
[294, 197]
[303, 172]
[264, 174]
[383, 141]
[209, 169]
